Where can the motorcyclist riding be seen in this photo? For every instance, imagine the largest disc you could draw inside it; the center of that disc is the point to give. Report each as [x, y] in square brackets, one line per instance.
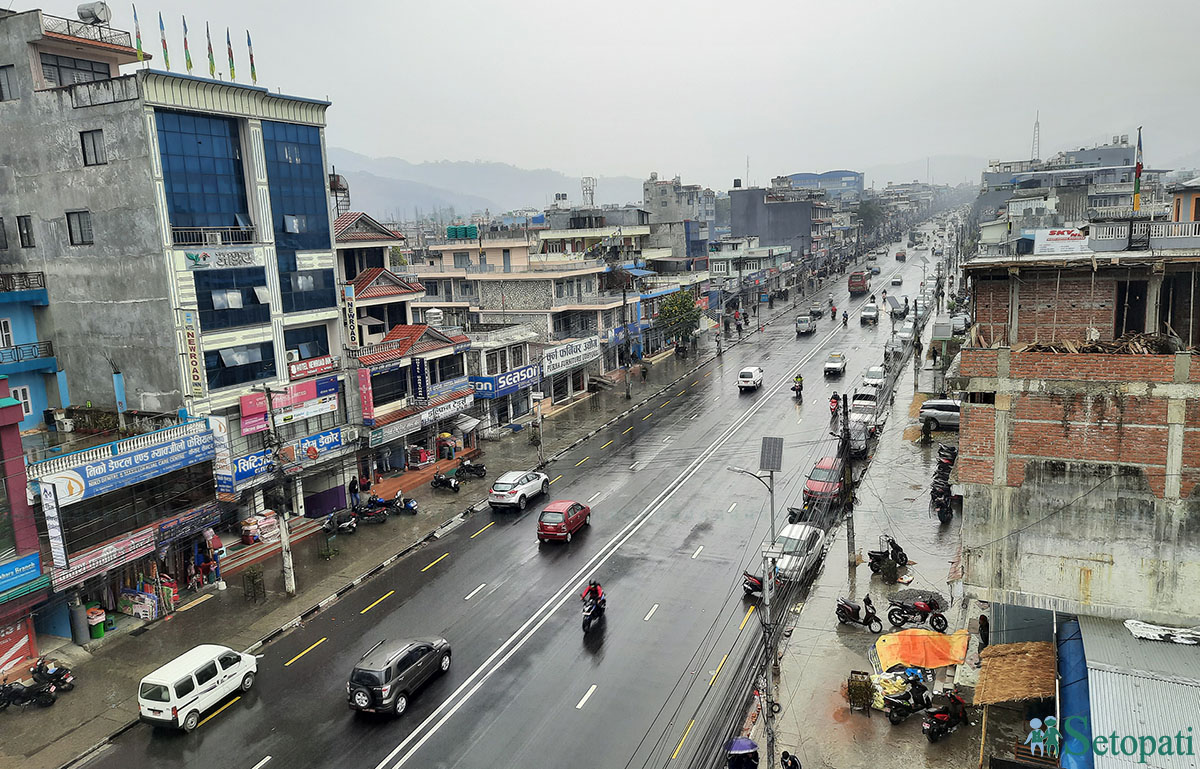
[834, 402]
[798, 385]
[594, 591]
[831, 300]
[845, 317]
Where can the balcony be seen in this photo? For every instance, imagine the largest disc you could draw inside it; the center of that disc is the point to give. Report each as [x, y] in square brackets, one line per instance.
[573, 333]
[34, 356]
[1115, 237]
[593, 300]
[1149, 210]
[213, 236]
[1114, 188]
[23, 287]
[84, 31]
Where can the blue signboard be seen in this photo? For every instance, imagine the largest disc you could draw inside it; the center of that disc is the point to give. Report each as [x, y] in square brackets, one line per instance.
[251, 465]
[322, 442]
[420, 379]
[508, 382]
[20, 571]
[121, 470]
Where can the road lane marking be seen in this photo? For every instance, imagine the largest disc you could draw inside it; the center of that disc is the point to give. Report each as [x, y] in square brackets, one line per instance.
[693, 416]
[708, 373]
[592, 498]
[471, 594]
[435, 563]
[261, 764]
[650, 614]
[686, 732]
[559, 477]
[306, 651]
[606, 445]
[693, 384]
[583, 701]
[627, 429]
[664, 405]
[647, 416]
[730, 510]
[716, 399]
[697, 552]
[377, 600]
[714, 678]
[485, 528]
[580, 462]
[666, 439]
[217, 712]
[746, 619]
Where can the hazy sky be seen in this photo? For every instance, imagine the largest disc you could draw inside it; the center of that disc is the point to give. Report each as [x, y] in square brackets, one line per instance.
[692, 88]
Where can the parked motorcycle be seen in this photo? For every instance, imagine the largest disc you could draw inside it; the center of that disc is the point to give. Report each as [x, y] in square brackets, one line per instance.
[371, 512]
[902, 705]
[593, 613]
[917, 612]
[943, 509]
[61, 677]
[752, 584]
[342, 522]
[875, 558]
[942, 721]
[469, 467]
[16, 693]
[849, 613]
[950, 452]
[443, 481]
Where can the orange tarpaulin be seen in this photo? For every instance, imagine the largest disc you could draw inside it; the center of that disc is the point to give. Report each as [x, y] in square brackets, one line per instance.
[921, 648]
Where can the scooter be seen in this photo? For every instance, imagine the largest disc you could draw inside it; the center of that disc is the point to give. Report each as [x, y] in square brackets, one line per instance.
[593, 613]
[16, 693]
[752, 584]
[938, 723]
[343, 522]
[916, 612]
[851, 613]
[443, 481]
[834, 404]
[469, 467]
[845, 318]
[876, 558]
[62, 677]
[901, 706]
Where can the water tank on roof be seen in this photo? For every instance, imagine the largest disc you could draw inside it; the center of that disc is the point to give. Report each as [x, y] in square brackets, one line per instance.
[433, 317]
[94, 13]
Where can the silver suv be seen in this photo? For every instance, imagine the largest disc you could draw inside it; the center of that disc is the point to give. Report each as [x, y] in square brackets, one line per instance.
[516, 487]
[940, 413]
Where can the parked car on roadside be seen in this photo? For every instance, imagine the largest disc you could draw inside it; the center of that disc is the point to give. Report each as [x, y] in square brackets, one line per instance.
[875, 376]
[907, 331]
[515, 488]
[182, 690]
[824, 483]
[802, 547]
[940, 413]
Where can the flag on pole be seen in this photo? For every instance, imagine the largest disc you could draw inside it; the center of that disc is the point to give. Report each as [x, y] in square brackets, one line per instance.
[1137, 174]
[229, 48]
[187, 54]
[162, 31]
[212, 63]
[137, 31]
[250, 47]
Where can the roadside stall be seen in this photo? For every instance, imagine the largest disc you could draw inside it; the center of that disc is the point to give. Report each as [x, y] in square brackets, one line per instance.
[1025, 673]
[906, 662]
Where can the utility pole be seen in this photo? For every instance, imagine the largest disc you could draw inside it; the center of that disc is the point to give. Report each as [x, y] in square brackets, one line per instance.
[848, 478]
[625, 327]
[285, 539]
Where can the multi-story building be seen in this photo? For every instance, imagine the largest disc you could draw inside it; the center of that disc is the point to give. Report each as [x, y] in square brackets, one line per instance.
[26, 358]
[840, 186]
[504, 369]
[372, 293]
[742, 271]
[782, 216]
[670, 200]
[23, 585]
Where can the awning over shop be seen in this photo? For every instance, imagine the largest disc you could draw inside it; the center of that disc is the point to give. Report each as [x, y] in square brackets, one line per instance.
[1017, 672]
[921, 648]
[466, 423]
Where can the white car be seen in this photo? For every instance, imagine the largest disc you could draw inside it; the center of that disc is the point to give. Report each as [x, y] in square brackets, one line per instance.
[906, 331]
[898, 281]
[802, 547]
[959, 323]
[875, 376]
[516, 487]
[863, 411]
[835, 364]
[750, 378]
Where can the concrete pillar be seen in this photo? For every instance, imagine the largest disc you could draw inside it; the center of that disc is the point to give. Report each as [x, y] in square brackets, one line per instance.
[1153, 297]
[1014, 299]
[1175, 417]
[1000, 441]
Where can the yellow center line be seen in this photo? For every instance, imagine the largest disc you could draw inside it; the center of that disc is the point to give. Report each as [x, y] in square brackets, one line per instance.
[668, 400]
[485, 528]
[377, 600]
[697, 382]
[746, 618]
[681, 392]
[708, 373]
[647, 416]
[627, 429]
[556, 478]
[603, 447]
[306, 651]
[580, 462]
[435, 563]
[714, 678]
[217, 712]
[686, 732]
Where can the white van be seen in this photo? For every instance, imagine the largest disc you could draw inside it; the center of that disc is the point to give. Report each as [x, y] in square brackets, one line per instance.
[178, 692]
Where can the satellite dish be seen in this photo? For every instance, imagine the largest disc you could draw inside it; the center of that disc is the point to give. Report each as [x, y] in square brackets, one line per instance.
[94, 13]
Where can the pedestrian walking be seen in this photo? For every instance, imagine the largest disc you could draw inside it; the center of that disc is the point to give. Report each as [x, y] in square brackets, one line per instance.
[645, 371]
[788, 761]
[933, 353]
[352, 487]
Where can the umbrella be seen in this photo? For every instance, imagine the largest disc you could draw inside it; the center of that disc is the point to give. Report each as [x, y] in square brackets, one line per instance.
[739, 745]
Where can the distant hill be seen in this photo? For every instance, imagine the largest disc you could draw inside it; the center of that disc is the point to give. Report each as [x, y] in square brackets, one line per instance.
[496, 186]
[945, 169]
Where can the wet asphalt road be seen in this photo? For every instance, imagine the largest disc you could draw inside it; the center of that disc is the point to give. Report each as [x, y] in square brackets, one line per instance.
[671, 532]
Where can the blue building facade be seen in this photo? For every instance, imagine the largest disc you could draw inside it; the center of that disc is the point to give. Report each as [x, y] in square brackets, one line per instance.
[838, 185]
[25, 358]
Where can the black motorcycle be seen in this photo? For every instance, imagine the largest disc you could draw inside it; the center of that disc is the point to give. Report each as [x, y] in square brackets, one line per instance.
[470, 468]
[798, 391]
[443, 481]
[61, 677]
[372, 511]
[917, 612]
[752, 584]
[938, 723]
[849, 613]
[875, 558]
[942, 508]
[17, 693]
[901, 706]
[593, 613]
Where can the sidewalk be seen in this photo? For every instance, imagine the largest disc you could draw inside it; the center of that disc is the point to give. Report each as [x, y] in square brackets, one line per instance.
[104, 701]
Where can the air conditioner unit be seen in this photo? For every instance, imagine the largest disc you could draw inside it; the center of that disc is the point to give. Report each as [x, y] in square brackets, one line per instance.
[212, 239]
[293, 356]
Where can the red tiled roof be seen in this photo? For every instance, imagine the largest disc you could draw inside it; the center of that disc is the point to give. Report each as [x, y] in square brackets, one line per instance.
[396, 416]
[406, 335]
[347, 220]
[392, 287]
[408, 339]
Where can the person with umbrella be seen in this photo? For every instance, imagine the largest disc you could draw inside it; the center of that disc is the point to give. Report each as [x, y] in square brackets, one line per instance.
[742, 753]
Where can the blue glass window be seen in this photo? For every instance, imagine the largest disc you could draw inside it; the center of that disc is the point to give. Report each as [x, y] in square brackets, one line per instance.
[230, 366]
[311, 341]
[202, 170]
[231, 298]
[307, 290]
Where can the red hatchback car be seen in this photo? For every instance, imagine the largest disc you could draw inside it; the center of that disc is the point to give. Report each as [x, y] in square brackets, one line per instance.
[825, 481]
[561, 519]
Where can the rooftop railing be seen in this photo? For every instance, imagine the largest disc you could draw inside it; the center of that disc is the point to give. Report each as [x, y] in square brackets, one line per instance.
[85, 31]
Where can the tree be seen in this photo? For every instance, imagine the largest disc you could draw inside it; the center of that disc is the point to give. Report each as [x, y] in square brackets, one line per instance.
[396, 257]
[678, 316]
[870, 213]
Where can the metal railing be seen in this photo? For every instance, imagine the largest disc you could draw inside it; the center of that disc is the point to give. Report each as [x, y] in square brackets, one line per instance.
[85, 31]
[574, 333]
[39, 469]
[1142, 229]
[213, 236]
[29, 351]
[594, 299]
[22, 281]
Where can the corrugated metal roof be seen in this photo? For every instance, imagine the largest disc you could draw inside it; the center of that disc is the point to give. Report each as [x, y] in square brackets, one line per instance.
[1109, 646]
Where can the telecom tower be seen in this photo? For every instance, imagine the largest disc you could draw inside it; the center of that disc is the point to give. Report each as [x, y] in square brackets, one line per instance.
[589, 190]
[1037, 136]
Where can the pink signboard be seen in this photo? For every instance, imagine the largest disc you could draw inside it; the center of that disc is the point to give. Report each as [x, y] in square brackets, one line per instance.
[367, 396]
[254, 405]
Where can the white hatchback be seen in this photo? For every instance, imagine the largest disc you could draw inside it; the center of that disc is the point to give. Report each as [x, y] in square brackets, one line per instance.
[516, 487]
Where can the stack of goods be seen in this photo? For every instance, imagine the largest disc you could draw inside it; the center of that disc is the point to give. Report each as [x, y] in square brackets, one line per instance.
[138, 604]
[260, 528]
[886, 684]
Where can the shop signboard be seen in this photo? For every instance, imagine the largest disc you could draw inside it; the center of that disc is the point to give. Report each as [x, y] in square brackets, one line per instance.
[567, 356]
[462, 346]
[350, 317]
[298, 401]
[193, 354]
[400, 428]
[312, 366]
[449, 386]
[509, 382]
[247, 466]
[420, 380]
[100, 559]
[54, 532]
[16, 643]
[116, 472]
[305, 450]
[1060, 241]
[313, 447]
[223, 259]
[19, 571]
[366, 396]
[222, 453]
[192, 522]
[450, 408]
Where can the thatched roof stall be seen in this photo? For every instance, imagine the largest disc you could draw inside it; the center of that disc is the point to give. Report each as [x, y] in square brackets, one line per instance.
[1016, 672]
